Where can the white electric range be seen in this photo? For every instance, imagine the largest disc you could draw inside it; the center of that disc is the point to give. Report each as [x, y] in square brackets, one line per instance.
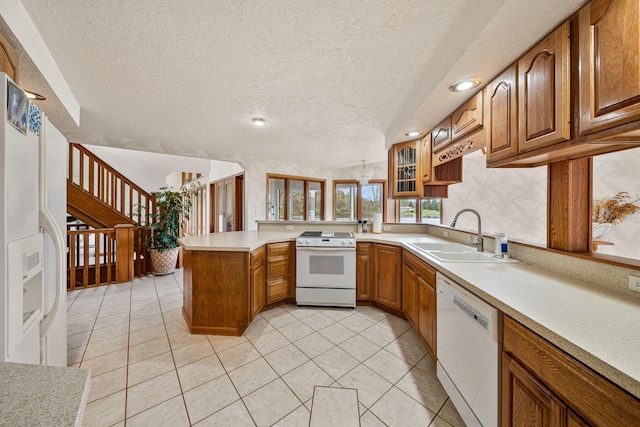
[326, 269]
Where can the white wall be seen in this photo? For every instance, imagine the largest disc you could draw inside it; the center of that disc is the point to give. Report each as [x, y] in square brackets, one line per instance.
[613, 173]
[379, 171]
[174, 180]
[509, 200]
[256, 186]
[221, 169]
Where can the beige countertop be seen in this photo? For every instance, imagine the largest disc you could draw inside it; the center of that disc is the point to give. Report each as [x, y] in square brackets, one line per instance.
[34, 395]
[596, 325]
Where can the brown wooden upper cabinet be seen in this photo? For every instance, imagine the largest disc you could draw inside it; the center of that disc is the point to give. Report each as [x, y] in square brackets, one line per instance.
[8, 59]
[570, 105]
[501, 116]
[425, 159]
[543, 92]
[468, 118]
[441, 135]
[609, 64]
[405, 175]
[467, 135]
[528, 105]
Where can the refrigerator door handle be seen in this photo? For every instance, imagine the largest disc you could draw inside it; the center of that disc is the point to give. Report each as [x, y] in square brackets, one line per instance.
[51, 228]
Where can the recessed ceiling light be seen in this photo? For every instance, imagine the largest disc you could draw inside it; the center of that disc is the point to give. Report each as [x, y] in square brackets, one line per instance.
[259, 121]
[413, 133]
[466, 84]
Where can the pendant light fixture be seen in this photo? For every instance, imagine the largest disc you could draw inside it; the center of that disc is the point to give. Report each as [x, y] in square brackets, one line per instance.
[365, 175]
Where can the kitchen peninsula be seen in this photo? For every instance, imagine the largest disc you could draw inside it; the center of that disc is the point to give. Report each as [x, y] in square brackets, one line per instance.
[594, 325]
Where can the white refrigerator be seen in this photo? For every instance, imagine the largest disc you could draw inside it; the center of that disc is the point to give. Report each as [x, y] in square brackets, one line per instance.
[33, 159]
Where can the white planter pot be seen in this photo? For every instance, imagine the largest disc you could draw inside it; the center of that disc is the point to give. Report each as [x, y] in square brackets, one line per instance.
[164, 262]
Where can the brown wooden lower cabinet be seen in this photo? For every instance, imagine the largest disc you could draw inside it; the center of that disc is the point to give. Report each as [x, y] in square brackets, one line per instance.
[529, 402]
[544, 386]
[541, 385]
[409, 288]
[217, 292]
[258, 281]
[419, 299]
[426, 324]
[279, 266]
[277, 289]
[387, 275]
[364, 271]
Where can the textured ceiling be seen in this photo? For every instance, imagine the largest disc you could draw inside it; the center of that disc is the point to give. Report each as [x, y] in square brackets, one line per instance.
[337, 81]
[149, 170]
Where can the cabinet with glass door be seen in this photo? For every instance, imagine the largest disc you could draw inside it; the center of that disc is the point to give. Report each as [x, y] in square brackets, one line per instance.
[404, 170]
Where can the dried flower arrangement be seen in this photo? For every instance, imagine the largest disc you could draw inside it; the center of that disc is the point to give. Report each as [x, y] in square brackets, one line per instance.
[614, 209]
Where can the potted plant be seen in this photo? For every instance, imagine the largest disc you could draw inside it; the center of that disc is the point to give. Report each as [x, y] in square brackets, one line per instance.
[165, 226]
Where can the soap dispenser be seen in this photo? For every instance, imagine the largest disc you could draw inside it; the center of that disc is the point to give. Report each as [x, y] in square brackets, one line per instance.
[500, 245]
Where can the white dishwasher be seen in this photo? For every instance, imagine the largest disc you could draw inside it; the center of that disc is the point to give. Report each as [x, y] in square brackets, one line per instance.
[467, 348]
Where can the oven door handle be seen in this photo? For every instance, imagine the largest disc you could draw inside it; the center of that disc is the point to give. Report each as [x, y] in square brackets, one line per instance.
[324, 249]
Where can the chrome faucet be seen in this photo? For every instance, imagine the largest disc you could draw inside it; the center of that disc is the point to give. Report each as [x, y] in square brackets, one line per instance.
[478, 244]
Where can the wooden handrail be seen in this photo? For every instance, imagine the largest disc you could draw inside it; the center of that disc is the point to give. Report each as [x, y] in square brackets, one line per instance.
[99, 179]
[95, 258]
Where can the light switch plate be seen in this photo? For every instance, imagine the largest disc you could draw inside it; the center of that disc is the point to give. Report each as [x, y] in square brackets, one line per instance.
[634, 283]
[288, 227]
[445, 233]
[387, 228]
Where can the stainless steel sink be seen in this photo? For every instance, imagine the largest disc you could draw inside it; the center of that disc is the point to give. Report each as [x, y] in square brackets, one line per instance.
[456, 252]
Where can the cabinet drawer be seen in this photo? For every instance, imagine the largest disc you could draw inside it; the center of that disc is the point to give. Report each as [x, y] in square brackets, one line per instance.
[277, 289]
[278, 267]
[258, 256]
[421, 268]
[278, 250]
[364, 248]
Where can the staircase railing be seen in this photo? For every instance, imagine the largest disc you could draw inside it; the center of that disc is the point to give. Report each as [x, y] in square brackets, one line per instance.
[104, 256]
[197, 222]
[104, 183]
[91, 257]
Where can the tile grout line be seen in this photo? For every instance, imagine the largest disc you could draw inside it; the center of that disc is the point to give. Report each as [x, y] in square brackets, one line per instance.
[346, 373]
[95, 320]
[362, 363]
[262, 356]
[270, 382]
[175, 367]
[126, 381]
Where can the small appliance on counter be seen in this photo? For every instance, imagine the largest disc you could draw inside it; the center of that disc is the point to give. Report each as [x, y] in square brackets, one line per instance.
[326, 269]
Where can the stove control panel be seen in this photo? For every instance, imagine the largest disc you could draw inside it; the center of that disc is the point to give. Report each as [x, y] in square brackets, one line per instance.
[328, 242]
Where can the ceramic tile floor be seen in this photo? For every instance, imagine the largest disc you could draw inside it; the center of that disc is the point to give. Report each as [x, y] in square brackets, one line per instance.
[147, 370]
